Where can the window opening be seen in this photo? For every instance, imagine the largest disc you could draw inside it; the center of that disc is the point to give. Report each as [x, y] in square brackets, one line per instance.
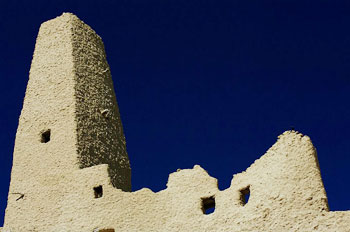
[245, 194]
[98, 191]
[208, 205]
[45, 136]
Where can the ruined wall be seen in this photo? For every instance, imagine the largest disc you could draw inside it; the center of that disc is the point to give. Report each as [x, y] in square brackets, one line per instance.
[68, 183]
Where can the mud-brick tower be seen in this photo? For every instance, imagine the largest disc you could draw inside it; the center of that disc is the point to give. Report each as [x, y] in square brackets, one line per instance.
[71, 172]
[70, 120]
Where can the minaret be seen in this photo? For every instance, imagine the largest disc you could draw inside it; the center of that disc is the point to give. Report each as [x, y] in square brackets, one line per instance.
[70, 118]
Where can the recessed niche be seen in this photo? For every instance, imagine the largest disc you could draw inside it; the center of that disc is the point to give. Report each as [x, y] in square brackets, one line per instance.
[45, 136]
[208, 205]
[98, 191]
[245, 194]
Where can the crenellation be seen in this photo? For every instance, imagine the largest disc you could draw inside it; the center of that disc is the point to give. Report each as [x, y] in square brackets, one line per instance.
[71, 171]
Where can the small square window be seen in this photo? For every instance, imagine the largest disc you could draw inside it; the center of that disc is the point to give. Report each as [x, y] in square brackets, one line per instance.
[98, 191]
[45, 136]
[208, 205]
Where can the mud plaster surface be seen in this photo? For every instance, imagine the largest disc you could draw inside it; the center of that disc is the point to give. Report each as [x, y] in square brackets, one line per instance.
[70, 93]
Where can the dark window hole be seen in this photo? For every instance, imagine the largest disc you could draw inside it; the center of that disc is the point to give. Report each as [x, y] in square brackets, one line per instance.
[98, 191]
[45, 136]
[208, 205]
[245, 194]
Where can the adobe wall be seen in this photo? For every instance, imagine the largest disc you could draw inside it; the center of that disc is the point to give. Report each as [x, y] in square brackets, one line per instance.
[64, 192]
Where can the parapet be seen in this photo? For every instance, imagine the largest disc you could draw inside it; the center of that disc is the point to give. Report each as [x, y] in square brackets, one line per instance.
[65, 180]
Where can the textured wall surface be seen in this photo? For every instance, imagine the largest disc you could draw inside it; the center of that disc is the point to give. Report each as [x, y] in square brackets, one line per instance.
[100, 134]
[69, 183]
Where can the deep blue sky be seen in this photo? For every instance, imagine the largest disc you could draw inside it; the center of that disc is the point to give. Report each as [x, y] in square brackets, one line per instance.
[203, 82]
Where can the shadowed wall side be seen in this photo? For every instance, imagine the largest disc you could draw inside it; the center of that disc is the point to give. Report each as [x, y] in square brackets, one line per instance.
[99, 129]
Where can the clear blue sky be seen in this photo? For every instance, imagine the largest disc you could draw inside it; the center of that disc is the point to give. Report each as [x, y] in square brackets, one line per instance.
[203, 82]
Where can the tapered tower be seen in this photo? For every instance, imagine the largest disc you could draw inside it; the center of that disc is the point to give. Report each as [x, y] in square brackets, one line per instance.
[70, 119]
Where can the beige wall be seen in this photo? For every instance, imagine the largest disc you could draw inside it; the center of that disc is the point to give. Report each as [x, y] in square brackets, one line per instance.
[70, 92]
